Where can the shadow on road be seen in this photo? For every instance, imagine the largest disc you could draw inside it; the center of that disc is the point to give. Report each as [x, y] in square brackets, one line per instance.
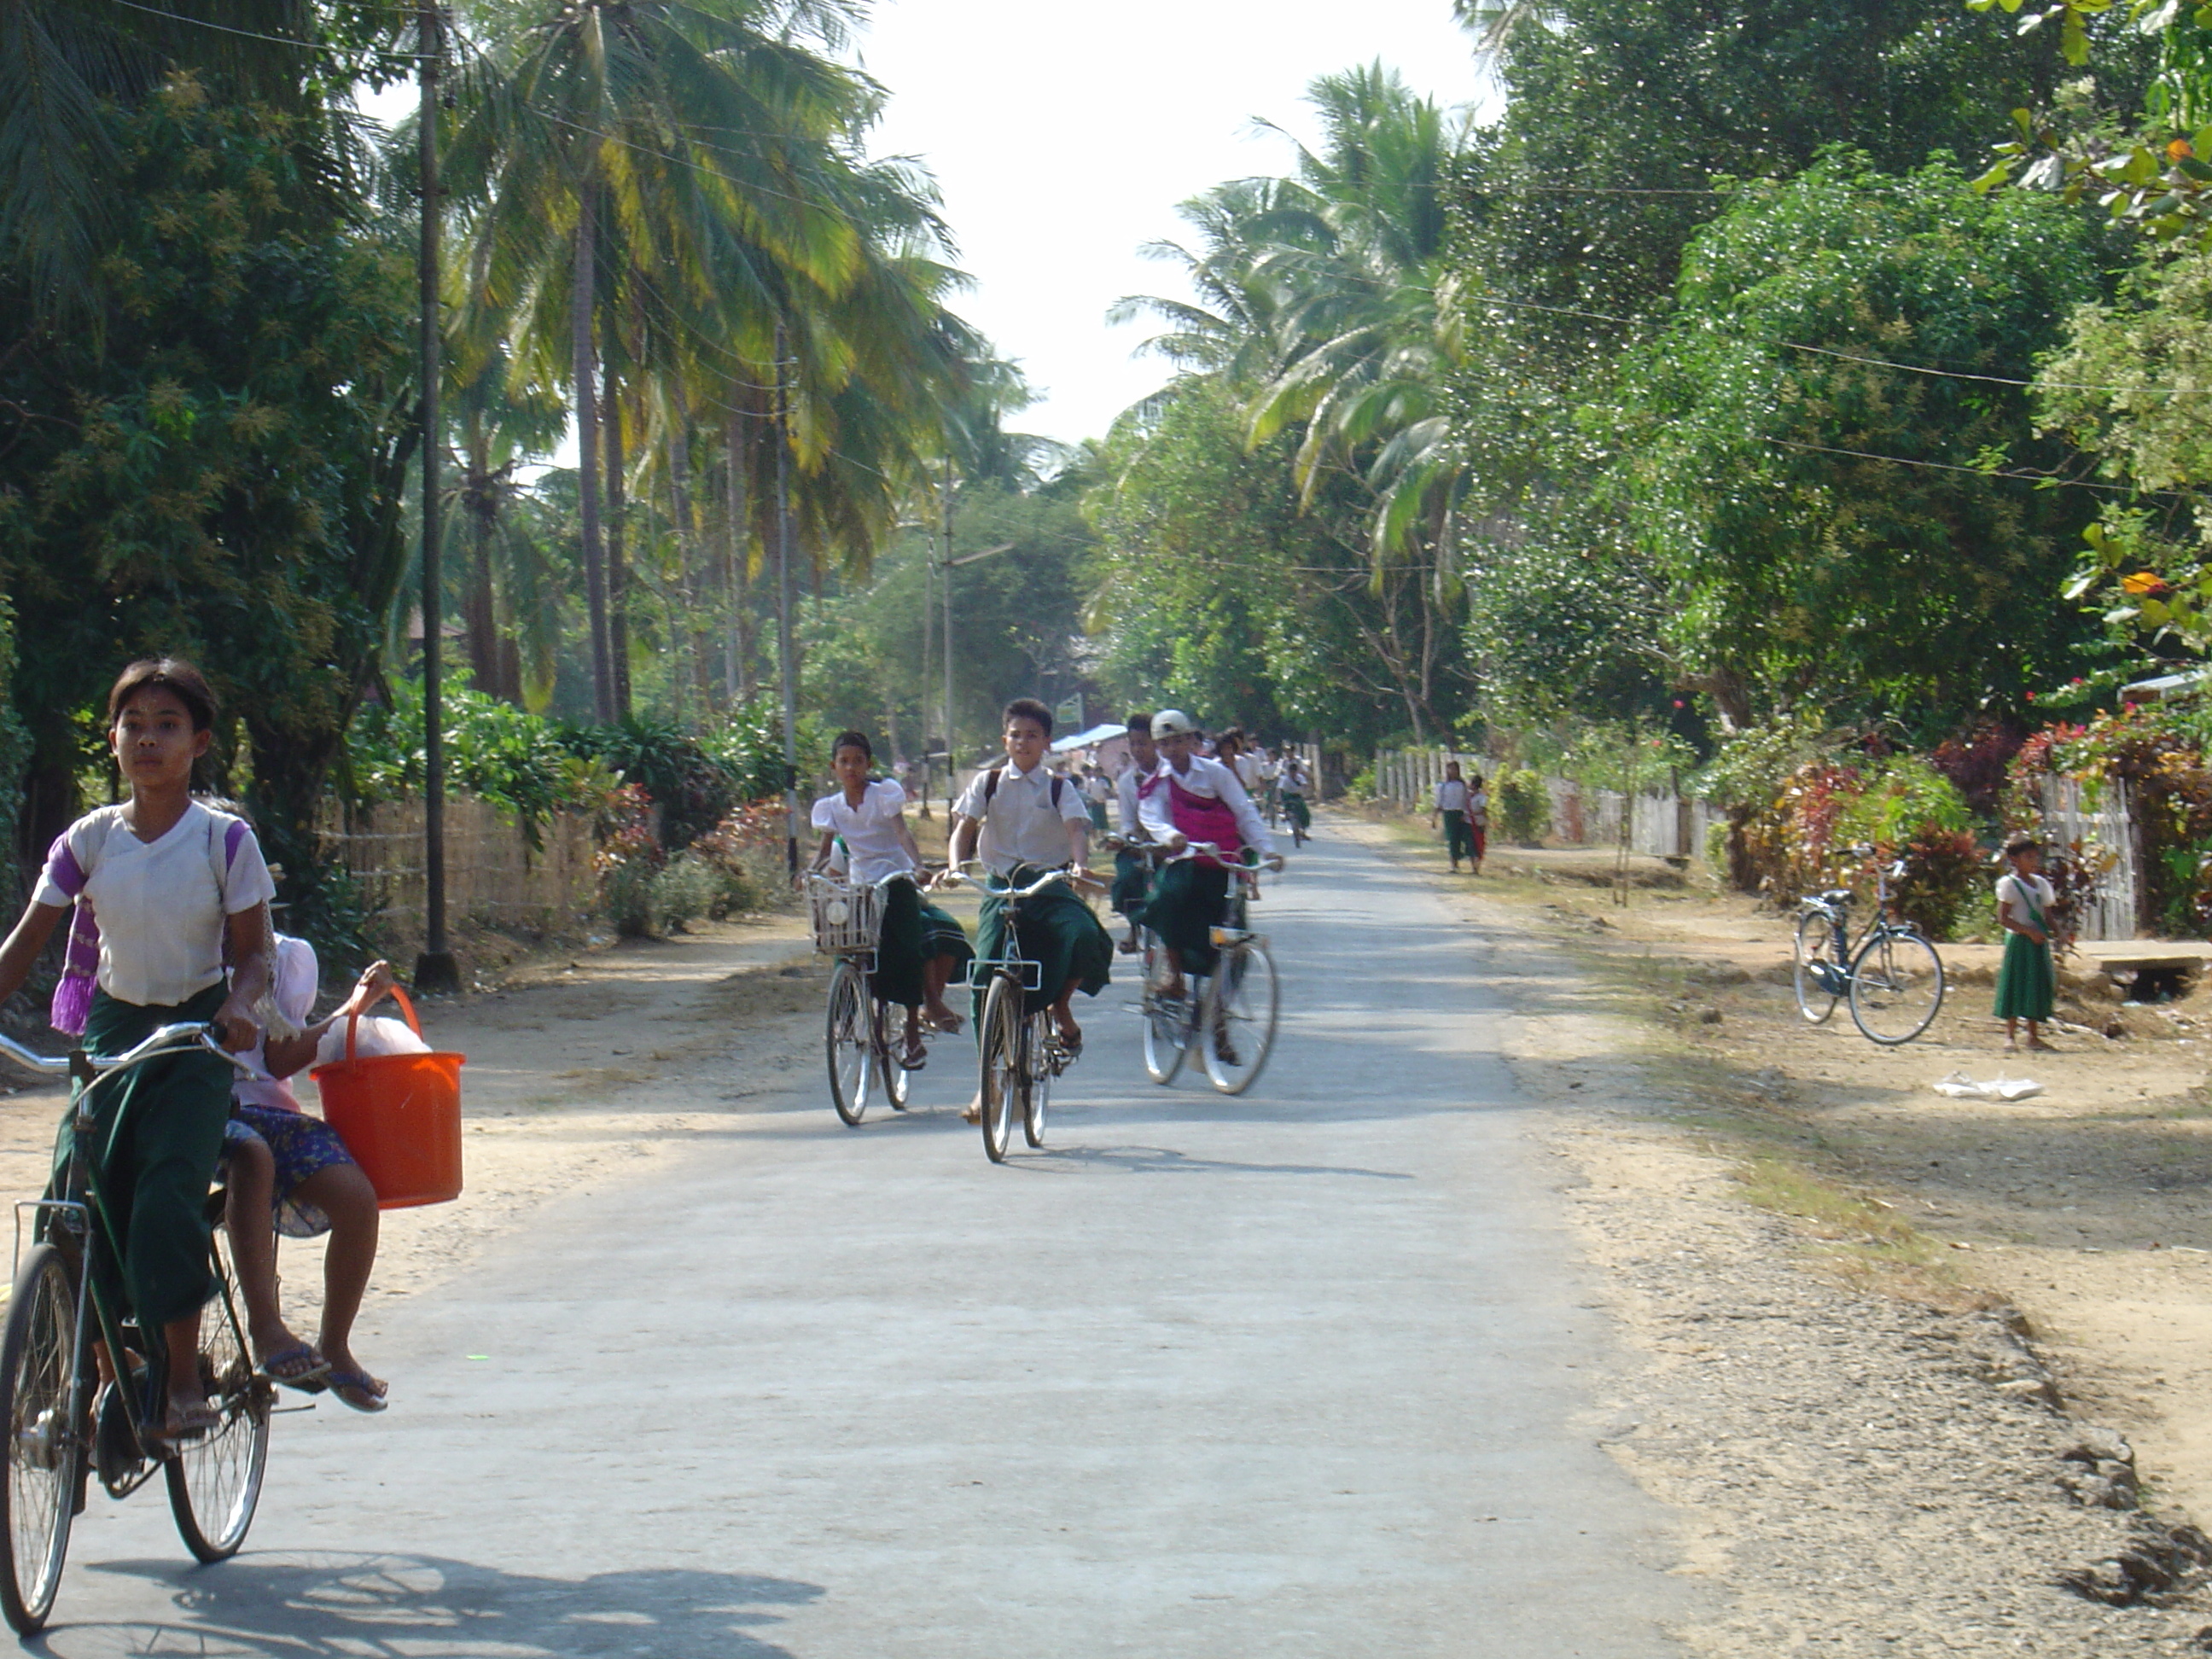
[430, 1607]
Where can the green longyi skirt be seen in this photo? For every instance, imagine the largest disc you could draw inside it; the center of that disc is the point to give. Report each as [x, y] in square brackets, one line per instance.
[2026, 986]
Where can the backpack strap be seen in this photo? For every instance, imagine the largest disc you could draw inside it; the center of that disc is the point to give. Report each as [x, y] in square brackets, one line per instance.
[990, 786]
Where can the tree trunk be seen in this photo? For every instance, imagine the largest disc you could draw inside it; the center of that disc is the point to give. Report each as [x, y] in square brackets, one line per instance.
[582, 305]
[618, 554]
[481, 508]
[739, 677]
[687, 547]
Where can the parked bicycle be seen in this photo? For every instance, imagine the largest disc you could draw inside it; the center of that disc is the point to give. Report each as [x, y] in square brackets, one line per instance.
[1019, 1053]
[860, 1038]
[1890, 974]
[1228, 1015]
[64, 1424]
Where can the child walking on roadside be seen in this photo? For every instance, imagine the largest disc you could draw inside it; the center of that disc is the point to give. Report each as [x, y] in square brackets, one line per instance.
[2026, 983]
[1451, 807]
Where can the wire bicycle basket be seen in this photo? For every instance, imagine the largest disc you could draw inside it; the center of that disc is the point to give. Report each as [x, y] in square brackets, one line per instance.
[848, 919]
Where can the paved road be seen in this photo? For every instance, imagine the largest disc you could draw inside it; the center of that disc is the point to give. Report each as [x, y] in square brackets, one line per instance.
[1301, 1373]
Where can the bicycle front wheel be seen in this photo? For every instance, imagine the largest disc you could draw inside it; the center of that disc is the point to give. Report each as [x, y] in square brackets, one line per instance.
[45, 1450]
[1004, 1066]
[1237, 1032]
[1897, 986]
[1815, 956]
[215, 1481]
[1039, 1092]
[845, 1041]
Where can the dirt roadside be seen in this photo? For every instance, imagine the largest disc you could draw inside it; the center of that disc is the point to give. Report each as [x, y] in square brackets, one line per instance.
[1871, 1322]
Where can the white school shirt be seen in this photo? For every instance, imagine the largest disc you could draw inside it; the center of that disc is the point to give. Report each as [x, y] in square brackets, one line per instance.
[1478, 804]
[1021, 825]
[1247, 766]
[293, 977]
[1126, 800]
[869, 831]
[160, 911]
[1212, 779]
[2012, 902]
[1451, 796]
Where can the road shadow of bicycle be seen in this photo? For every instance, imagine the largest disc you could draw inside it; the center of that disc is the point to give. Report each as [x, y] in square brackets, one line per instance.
[291, 1605]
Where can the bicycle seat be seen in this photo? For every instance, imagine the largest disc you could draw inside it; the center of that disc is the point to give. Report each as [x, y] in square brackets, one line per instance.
[1837, 896]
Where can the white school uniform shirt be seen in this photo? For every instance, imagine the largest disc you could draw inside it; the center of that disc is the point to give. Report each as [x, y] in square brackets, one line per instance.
[1126, 800]
[870, 830]
[160, 911]
[2013, 894]
[293, 977]
[1021, 825]
[1477, 806]
[1209, 778]
[1246, 765]
[1451, 796]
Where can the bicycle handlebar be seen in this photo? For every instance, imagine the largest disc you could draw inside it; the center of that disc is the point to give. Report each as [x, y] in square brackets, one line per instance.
[975, 871]
[1248, 859]
[165, 1040]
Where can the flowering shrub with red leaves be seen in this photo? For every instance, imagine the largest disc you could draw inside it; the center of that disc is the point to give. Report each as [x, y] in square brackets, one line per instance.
[630, 855]
[2158, 749]
[1977, 763]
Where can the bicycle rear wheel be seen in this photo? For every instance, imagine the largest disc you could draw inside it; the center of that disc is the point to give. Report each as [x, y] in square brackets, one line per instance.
[1813, 957]
[1167, 1024]
[845, 1041]
[215, 1481]
[45, 1448]
[1236, 1032]
[1004, 1066]
[1897, 987]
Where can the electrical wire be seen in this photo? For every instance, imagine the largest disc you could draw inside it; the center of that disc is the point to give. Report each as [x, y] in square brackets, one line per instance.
[274, 40]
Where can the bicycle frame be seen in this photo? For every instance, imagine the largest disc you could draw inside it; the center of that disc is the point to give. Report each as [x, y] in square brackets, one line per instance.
[78, 1213]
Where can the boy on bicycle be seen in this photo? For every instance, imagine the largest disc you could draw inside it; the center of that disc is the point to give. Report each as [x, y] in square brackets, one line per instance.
[1029, 822]
[1202, 801]
[1131, 874]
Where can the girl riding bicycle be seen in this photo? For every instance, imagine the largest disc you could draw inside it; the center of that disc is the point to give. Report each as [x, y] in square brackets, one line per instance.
[161, 884]
[921, 947]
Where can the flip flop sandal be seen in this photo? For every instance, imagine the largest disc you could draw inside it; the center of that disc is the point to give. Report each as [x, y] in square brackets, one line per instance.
[301, 1366]
[357, 1390]
[193, 1423]
[915, 1058]
[951, 1025]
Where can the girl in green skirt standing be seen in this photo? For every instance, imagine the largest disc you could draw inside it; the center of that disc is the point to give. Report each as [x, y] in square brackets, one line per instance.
[2027, 981]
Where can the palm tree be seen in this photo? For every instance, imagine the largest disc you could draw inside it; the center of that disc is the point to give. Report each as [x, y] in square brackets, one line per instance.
[615, 153]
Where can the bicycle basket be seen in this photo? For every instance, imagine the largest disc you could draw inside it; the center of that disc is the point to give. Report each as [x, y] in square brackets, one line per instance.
[847, 919]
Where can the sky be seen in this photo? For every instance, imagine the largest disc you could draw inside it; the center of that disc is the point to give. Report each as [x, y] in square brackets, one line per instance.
[1063, 134]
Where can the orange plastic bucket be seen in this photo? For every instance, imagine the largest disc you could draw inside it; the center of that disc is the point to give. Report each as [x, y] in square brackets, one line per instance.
[399, 1116]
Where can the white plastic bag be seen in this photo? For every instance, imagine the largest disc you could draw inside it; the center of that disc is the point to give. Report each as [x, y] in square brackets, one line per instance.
[1959, 1086]
[379, 1035]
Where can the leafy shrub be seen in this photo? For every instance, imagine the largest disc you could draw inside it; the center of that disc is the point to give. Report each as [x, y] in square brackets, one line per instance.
[503, 754]
[691, 789]
[746, 850]
[1362, 786]
[1897, 799]
[1944, 870]
[630, 856]
[686, 888]
[1520, 807]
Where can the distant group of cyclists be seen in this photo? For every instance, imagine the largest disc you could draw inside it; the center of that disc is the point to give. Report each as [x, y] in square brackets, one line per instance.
[1022, 818]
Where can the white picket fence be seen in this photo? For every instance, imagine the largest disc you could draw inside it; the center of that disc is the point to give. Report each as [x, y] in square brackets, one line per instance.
[2103, 832]
[1661, 824]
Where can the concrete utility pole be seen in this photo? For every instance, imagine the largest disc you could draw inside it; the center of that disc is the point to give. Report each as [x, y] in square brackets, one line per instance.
[951, 745]
[435, 969]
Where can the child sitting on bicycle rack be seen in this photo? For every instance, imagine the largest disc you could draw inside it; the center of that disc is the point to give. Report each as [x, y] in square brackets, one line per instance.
[1030, 823]
[1202, 801]
[289, 1172]
[919, 947]
[168, 881]
[1132, 870]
